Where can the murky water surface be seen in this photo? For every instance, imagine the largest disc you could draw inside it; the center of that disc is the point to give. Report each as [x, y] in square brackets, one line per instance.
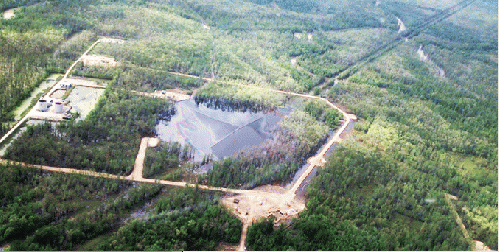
[27, 103]
[215, 131]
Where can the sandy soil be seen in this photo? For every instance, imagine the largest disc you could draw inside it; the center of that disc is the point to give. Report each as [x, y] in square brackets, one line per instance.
[476, 245]
[255, 204]
[479, 246]
[8, 14]
[49, 116]
[58, 94]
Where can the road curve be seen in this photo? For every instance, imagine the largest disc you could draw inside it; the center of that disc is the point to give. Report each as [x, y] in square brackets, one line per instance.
[274, 202]
[258, 203]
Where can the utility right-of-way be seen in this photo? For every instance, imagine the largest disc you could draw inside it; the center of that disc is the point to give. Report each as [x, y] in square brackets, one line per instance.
[410, 33]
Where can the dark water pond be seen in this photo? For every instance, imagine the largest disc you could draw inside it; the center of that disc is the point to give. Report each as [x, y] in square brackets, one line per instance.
[215, 131]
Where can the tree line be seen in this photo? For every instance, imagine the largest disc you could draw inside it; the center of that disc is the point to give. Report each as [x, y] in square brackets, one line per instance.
[106, 141]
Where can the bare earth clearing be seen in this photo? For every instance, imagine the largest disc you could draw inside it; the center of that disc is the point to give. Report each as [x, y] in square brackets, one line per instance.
[252, 204]
[8, 14]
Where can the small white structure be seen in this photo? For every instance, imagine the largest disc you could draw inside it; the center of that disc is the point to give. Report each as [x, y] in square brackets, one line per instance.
[43, 105]
[58, 108]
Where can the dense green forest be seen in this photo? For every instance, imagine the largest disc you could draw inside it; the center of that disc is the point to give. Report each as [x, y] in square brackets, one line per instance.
[37, 206]
[428, 126]
[376, 203]
[51, 211]
[106, 141]
[185, 219]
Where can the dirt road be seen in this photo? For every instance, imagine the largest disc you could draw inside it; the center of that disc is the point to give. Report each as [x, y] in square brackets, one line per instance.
[474, 244]
[53, 89]
[191, 76]
[254, 204]
[138, 167]
[251, 204]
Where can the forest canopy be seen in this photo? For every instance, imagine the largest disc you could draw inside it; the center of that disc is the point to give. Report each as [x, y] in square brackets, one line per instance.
[421, 77]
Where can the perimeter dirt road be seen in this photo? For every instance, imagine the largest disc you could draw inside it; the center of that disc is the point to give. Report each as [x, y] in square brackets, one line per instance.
[247, 205]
